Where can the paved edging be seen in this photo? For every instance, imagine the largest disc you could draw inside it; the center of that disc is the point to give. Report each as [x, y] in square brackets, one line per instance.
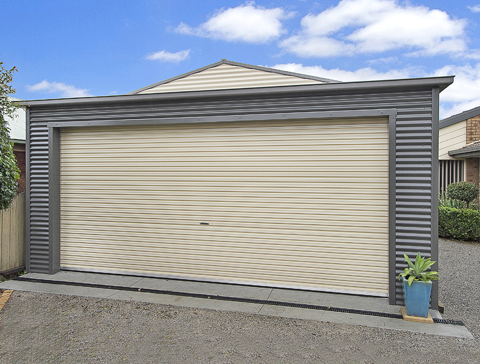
[245, 307]
[4, 297]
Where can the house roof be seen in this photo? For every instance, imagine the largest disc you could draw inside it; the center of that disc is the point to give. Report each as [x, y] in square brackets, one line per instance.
[17, 124]
[459, 117]
[470, 151]
[230, 75]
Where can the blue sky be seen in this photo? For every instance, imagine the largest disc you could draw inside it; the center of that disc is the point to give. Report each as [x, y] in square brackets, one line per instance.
[104, 47]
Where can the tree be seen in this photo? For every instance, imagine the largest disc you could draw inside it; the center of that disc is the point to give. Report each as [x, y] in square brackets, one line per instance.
[9, 172]
[463, 191]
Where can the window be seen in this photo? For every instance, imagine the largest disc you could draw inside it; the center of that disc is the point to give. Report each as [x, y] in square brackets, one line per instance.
[450, 171]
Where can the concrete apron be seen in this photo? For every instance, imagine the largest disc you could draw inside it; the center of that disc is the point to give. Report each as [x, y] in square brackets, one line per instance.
[202, 295]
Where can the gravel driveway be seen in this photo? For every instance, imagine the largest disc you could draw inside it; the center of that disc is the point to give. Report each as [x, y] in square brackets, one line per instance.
[46, 328]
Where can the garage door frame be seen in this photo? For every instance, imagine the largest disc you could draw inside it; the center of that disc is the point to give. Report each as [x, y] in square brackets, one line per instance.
[55, 157]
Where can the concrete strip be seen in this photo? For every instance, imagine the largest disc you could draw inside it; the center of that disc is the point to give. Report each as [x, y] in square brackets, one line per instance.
[370, 321]
[213, 289]
[57, 289]
[271, 310]
[190, 302]
[376, 304]
[89, 278]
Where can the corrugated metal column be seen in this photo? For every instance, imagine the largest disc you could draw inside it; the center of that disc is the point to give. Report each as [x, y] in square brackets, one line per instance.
[54, 157]
[434, 184]
[414, 192]
[392, 210]
[27, 194]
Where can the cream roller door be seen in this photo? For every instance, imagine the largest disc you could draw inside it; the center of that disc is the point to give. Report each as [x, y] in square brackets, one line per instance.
[289, 203]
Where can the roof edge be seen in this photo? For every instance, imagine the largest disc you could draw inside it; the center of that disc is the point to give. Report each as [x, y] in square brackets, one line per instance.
[464, 115]
[231, 63]
[440, 82]
[282, 72]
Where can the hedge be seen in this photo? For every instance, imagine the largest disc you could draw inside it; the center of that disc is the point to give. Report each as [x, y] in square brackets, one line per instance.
[460, 224]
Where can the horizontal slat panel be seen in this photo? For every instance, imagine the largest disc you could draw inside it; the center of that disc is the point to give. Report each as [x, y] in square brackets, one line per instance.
[227, 76]
[286, 202]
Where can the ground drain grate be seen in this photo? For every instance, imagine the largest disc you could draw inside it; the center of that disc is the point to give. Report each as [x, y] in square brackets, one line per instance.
[233, 299]
[449, 322]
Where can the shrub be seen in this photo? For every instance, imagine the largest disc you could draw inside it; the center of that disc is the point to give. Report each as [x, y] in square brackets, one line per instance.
[460, 224]
[444, 201]
[463, 191]
[9, 172]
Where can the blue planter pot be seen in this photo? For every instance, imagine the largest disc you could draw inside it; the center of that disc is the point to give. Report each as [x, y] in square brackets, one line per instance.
[417, 297]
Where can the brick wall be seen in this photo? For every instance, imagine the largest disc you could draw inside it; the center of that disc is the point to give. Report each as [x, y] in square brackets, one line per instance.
[473, 129]
[19, 151]
[471, 165]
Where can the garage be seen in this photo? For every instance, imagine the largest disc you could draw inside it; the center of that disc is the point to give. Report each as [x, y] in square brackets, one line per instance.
[263, 203]
[264, 178]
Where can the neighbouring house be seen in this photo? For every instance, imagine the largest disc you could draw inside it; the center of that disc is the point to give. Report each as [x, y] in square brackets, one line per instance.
[459, 148]
[17, 137]
[241, 174]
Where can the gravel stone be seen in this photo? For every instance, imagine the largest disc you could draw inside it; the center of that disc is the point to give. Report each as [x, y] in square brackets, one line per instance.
[48, 328]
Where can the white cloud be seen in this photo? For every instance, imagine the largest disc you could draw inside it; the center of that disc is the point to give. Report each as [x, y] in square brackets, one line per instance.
[246, 23]
[317, 46]
[362, 74]
[58, 87]
[474, 8]
[463, 94]
[164, 56]
[473, 54]
[378, 26]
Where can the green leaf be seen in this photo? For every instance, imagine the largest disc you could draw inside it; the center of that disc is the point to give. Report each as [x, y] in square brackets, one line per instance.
[418, 271]
[408, 261]
[410, 280]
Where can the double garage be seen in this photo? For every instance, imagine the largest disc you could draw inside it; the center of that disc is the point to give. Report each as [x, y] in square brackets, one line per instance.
[319, 187]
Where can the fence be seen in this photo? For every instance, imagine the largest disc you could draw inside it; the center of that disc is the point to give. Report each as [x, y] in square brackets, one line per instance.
[12, 236]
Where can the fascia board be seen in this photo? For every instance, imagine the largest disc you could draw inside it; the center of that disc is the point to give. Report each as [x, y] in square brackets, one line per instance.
[363, 86]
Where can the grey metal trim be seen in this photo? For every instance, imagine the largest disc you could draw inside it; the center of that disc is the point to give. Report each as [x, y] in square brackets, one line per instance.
[54, 166]
[231, 63]
[460, 117]
[54, 199]
[472, 151]
[434, 203]
[410, 84]
[247, 117]
[392, 127]
[27, 193]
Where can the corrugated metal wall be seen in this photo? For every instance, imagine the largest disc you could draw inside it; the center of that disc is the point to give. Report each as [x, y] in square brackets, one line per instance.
[414, 161]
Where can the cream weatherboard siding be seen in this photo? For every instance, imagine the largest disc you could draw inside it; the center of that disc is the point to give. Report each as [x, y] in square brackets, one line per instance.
[288, 203]
[452, 137]
[227, 76]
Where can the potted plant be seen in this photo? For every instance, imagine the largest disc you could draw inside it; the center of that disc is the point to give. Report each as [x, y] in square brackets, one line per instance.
[417, 285]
